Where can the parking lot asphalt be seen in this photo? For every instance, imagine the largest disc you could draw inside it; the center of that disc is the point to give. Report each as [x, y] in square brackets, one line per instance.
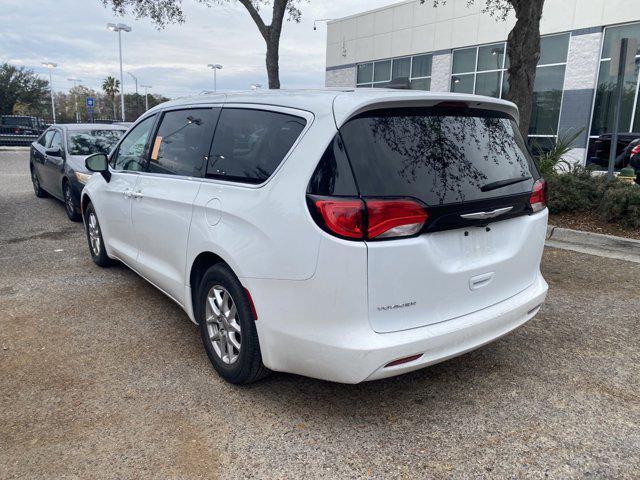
[101, 376]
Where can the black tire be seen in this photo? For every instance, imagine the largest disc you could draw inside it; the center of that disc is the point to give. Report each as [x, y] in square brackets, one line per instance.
[248, 366]
[37, 189]
[70, 205]
[97, 251]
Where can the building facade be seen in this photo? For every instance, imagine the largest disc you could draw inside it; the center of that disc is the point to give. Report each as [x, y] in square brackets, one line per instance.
[456, 47]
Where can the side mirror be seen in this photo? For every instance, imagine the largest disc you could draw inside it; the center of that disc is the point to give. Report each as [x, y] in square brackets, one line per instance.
[99, 163]
[54, 151]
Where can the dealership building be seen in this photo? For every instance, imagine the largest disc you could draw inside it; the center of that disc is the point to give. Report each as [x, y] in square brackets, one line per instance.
[455, 47]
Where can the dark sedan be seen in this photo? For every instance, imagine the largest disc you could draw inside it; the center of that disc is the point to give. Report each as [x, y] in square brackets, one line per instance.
[57, 160]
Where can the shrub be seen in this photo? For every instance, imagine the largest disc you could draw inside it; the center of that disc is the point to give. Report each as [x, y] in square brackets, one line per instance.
[621, 204]
[550, 161]
[577, 190]
[573, 191]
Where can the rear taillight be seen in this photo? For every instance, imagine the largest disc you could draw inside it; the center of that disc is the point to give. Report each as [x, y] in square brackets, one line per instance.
[394, 218]
[635, 150]
[538, 199]
[343, 217]
[371, 219]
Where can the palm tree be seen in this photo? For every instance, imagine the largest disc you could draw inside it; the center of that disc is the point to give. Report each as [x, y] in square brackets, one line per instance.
[111, 88]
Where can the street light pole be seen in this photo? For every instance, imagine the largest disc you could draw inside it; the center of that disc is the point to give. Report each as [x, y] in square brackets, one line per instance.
[215, 67]
[75, 96]
[135, 79]
[146, 98]
[120, 27]
[51, 65]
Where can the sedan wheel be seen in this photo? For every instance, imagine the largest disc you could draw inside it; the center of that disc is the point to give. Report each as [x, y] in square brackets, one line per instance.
[94, 234]
[69, 203]
[222, 325]
[37, 189]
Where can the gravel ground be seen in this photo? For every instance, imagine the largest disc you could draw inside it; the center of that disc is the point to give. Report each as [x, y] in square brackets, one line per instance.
[101, 376]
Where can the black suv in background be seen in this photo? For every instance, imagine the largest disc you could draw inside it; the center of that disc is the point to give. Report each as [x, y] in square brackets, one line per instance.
[599, 152]
[21, 125]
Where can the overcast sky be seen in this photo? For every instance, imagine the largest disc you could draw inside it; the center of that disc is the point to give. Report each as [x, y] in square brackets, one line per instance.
[73, 34]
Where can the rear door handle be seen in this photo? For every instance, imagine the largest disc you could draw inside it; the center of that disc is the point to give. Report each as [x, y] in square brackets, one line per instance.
[480, 281]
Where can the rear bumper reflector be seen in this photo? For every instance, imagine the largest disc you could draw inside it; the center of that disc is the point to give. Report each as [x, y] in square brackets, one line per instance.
[400, 361]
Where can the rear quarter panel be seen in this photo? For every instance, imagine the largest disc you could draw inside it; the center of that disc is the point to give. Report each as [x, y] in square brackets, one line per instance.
[264, 231]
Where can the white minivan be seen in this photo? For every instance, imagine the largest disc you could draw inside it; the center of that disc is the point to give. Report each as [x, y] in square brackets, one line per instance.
[343, 235]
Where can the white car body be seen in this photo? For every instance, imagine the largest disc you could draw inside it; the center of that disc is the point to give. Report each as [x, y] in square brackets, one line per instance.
[327, 307]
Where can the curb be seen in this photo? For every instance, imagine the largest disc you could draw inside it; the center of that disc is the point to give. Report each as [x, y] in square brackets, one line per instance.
[14, 149]
[594, 243]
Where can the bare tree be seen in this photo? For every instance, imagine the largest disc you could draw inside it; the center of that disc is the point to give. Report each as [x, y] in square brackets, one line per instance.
[170, 11]
[523, 49]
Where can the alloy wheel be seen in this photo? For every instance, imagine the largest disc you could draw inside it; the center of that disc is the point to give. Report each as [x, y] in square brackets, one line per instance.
[222, 324]
[68, 201]
[94, 233]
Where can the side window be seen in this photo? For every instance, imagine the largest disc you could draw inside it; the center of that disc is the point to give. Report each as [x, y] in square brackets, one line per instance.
[333, 174]
[132, 151]
[181, 146]
[56, 141]
[45, 139]
[250, 144]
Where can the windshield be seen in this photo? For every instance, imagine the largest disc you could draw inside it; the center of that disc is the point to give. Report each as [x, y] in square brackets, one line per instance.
[438, 155]
[87, 142]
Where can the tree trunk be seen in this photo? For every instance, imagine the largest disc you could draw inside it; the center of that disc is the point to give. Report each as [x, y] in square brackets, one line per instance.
[271, 35]
[523, 49]
[273, 69]
[113, 102]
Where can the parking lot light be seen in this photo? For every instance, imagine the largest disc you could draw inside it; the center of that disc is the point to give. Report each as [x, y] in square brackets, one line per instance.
[146, 96]
[76, 81]
[120, 27]
[51, 65]
[215, 67]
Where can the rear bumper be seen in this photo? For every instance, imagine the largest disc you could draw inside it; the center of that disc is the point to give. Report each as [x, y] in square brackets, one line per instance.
[455, 337]
[361, 354]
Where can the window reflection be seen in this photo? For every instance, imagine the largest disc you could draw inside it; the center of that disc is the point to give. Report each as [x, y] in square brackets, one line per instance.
[436, 158]
[416, 69]
[604, 106]
[547, 97]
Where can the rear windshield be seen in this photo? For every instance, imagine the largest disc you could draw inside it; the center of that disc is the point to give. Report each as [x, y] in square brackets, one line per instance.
[88, 142]
[438, 155]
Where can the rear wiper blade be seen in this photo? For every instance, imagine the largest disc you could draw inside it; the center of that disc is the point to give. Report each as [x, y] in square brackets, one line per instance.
[503, 183]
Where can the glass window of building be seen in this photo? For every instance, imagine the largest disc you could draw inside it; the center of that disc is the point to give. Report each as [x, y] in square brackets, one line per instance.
[464, 60]
[491, 57]
[483, 71]
[548, 89]
[462, 83]
[547, 97]
[604, 106]
[382, 71]
[415, 70]
[365, 73]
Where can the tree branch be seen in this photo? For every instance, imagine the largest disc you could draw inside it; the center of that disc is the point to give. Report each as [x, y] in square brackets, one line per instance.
[264, 30]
